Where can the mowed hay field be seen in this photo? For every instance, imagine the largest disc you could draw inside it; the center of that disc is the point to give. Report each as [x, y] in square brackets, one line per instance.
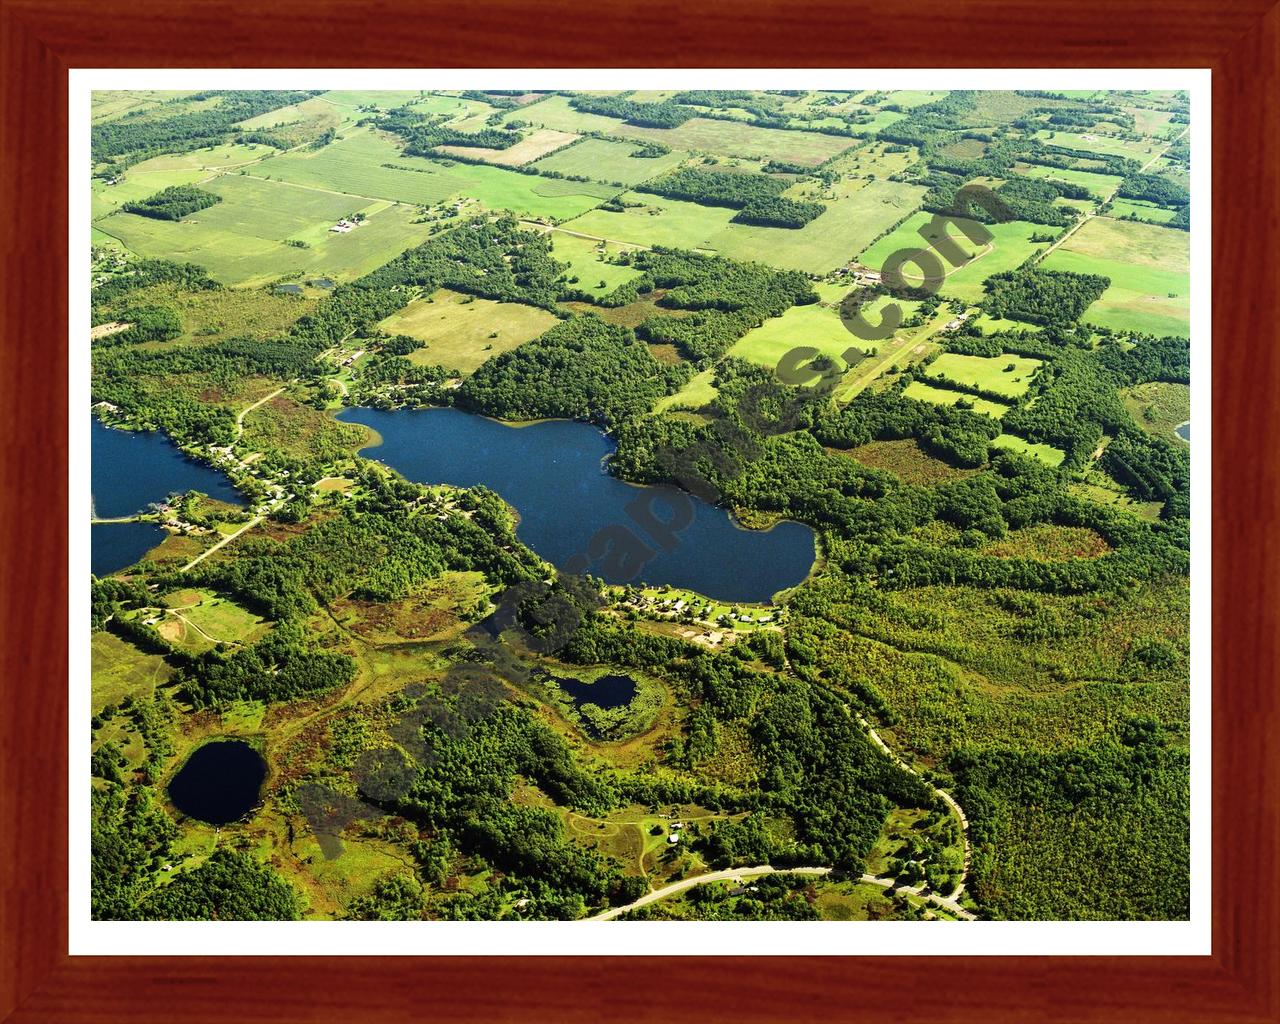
[1149, 268]
[1010, 245]
[151, 176]
[1089, 142]
[1004, 374]
[604, 160]
[457, 328]
[825, 243]
[241, 241]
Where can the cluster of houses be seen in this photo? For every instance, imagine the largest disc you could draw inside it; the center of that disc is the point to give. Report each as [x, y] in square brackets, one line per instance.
[672, 607]
[345, 225]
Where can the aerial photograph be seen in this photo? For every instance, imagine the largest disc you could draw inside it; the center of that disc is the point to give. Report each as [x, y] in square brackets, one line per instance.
[639, 505]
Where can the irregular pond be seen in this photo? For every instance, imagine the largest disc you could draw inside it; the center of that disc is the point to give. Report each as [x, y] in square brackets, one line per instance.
[1183, 430]
[574, 514]
[607, 692]
[220, 782]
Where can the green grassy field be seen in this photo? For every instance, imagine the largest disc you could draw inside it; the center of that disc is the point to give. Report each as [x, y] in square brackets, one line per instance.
[943, 396]
[1089, 142]
[1101, 185]
[609, 161]
[1148, 267]
[1010, 246]
[1045, 453]
[822, 245]
[595, 276]
[1148, 212]
[1006, 374]
[999, 325]
[457, 328]
[700, 391]
[354, 165]
[111, 104]
[242, 239]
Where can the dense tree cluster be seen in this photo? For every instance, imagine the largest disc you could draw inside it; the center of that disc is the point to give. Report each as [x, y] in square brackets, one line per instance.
[581, 369]
[1042, 296]
[146, 323]
[1154, 188]
[230, 886]
[173, 203]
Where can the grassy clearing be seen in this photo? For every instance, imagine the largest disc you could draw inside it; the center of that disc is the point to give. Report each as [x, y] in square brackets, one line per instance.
[589, 262]
[537, 144]
[462, 332]
[1101, 185]
[907, 461]
[941, 396]
[1006, 374]
[699, 392]
[432, 615]
[1001, 325]
[242, 239]
[812, 326]
[604, 160]
[1045, 453]
[1158, 407]
[1142, 245]
[118, 670]
[1010, 246]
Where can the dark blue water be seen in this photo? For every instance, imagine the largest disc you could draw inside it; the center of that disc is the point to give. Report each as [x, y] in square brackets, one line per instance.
[607, 692]
[113, 546]
[220, 782]
[1183, 430]
[131, 469]
[579, 518]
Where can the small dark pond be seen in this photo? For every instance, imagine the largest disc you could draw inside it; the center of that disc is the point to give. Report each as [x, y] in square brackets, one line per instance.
[1183, 430]
[220, 782]
[607, 692]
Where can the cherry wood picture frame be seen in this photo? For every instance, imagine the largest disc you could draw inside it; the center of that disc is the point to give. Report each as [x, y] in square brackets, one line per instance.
[41, 39]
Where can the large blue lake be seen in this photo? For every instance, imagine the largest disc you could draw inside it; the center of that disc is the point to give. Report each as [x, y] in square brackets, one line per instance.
[578, 517]
[130, 470]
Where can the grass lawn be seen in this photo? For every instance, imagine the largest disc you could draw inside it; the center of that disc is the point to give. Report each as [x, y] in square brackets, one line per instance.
[242, 239]
[457, 328]
[1010, 245]
[119, 670]
[1045, 453]
[1149, 271]
[1101, 185]
[942, 396]
[609, 161]
[1006, 374]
